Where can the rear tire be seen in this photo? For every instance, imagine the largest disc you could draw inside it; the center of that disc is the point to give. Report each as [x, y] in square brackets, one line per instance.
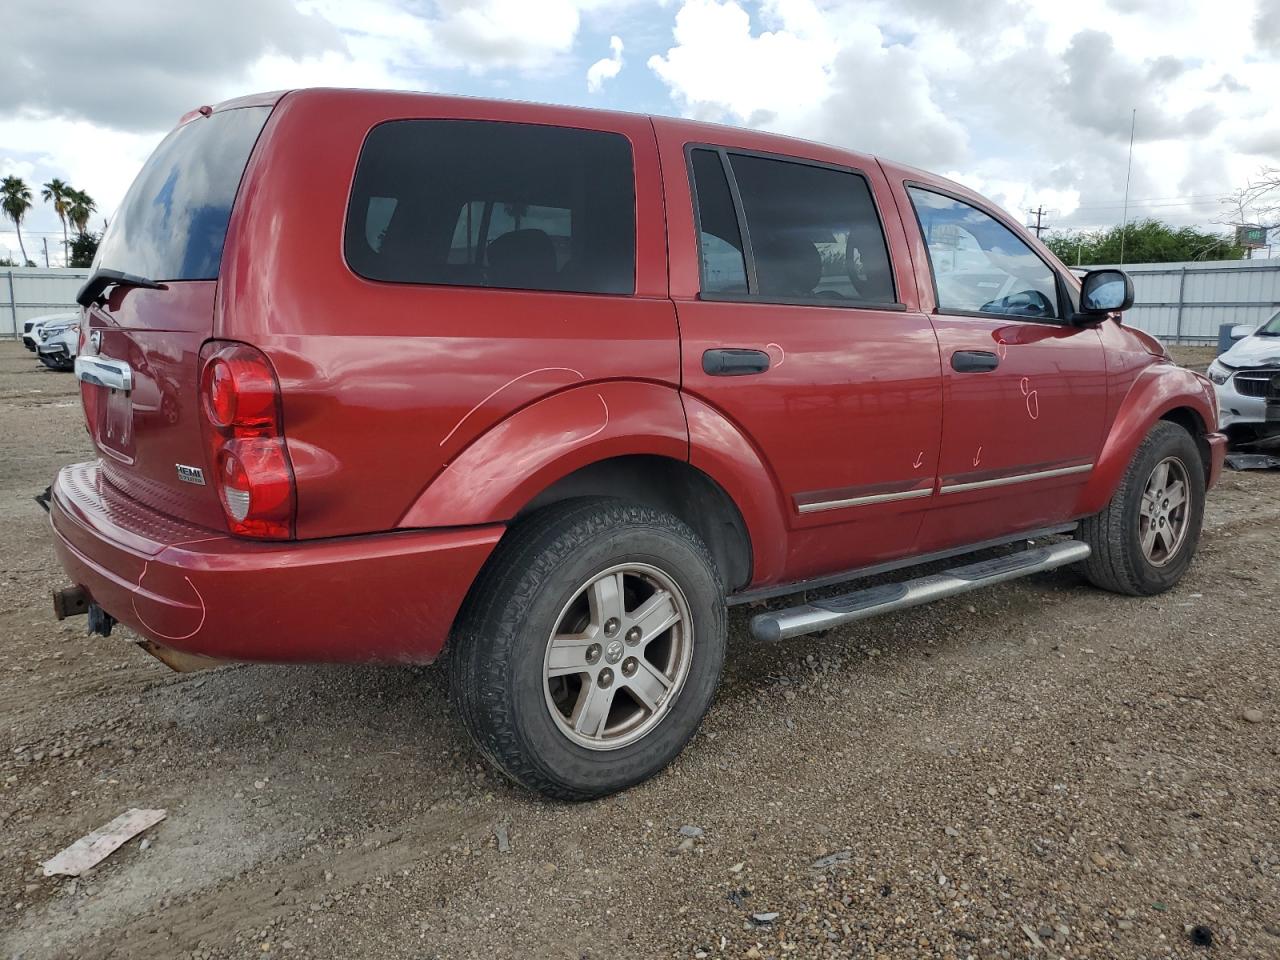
[590, 647]
[1143, 541]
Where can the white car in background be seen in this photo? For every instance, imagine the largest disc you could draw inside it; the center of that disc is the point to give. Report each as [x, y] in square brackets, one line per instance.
[58, 341]
[1246, 379]
[31, 328]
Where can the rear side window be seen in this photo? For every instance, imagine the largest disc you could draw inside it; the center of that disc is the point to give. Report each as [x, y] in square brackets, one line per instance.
[491, 204]
[980, 265]
[813, 234]
[173, 221]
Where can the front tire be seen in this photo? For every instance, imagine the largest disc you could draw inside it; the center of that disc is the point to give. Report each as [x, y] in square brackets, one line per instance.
[1143, 541]
[590, 647]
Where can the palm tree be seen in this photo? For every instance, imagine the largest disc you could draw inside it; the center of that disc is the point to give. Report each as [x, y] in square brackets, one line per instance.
[81, 207]
[15, 200]
[59, 194]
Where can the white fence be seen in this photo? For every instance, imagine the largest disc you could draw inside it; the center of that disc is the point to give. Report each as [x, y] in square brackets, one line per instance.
[1177, 302]
[27, 292]
[1187, 302]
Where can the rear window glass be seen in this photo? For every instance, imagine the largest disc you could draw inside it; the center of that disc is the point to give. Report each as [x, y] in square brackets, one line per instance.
[173, 221]
[492, 204]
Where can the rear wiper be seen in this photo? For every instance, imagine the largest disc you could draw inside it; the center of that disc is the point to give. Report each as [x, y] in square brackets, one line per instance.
[97, 284]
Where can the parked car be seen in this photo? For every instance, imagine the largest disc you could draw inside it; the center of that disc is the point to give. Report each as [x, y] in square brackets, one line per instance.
[58, 341]
[389, 371]
[31, 328]
[1247, 381]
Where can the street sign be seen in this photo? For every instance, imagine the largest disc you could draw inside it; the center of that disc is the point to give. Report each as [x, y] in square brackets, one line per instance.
[1251, 237]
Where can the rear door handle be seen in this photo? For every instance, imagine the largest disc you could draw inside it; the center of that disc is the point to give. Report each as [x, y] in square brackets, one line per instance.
[729, 362]
[974, 361]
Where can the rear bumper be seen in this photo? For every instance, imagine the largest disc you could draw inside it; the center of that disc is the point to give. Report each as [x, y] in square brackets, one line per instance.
[383, 598]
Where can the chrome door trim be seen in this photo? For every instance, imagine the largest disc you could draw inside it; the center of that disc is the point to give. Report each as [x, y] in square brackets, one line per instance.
[1016, 478]
[102, 372]
[821, 505]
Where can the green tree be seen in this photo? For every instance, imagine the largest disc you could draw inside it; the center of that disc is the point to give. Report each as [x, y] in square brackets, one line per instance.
[84, 246]
[82, 207]
[59, 193]
[1144, 241]
[15, 200]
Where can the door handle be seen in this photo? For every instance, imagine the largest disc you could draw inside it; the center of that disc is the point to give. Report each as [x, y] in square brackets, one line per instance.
[974, 361]
[728, 362]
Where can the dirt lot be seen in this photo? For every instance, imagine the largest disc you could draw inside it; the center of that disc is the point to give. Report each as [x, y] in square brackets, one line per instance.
[1041, 770]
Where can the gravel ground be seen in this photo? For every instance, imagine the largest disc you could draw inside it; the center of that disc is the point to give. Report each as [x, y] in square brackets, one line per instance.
[1040, 770]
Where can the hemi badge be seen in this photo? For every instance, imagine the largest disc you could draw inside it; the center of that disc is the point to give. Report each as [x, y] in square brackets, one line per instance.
[190, 474]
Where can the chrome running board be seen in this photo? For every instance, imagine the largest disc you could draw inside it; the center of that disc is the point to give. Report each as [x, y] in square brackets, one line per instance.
[888, 597]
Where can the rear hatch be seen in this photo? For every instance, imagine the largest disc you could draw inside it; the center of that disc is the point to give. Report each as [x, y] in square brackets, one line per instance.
[170, 229]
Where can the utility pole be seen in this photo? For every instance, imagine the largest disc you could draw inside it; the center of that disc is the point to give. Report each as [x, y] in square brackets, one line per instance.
[46, 253]
[1039, 225]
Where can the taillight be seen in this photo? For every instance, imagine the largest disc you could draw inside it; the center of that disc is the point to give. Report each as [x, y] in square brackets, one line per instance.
[240, 399]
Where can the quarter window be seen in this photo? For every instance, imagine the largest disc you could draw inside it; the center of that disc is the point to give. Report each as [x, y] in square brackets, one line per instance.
[492, 204]
[980, 265]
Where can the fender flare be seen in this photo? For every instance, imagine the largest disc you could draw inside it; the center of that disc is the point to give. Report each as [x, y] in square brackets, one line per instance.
[516, 459]
[722, 451]
[1158, 390]
[494, 477]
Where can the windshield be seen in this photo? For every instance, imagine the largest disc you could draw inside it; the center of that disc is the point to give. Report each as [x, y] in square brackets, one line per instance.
[173, 221]
[1271, 328]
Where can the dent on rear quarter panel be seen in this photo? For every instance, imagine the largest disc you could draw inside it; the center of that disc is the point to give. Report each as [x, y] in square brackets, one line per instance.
[520, 457]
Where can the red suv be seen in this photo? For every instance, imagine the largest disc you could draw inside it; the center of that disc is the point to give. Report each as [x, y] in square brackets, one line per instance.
[372, 372]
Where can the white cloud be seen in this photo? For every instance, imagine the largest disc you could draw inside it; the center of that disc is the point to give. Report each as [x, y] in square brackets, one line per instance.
[1029, 101]
[606, 68]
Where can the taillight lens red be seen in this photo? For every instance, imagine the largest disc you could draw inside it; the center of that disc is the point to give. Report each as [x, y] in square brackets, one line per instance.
[240, 397]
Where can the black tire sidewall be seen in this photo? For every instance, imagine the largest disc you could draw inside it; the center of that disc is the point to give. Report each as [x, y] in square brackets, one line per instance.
[596, 772]
[1174, 442]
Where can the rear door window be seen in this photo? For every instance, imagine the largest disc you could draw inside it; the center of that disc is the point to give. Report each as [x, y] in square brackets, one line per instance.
[980, 265]
[812, 232]
[494, 204]
[173, 221]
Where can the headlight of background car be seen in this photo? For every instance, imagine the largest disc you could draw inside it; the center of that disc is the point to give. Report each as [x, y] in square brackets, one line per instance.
[1219, 372]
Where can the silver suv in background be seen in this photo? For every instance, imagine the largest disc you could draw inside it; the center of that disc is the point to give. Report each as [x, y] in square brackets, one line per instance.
[59, 339]
[1246, 379]
[31, 328]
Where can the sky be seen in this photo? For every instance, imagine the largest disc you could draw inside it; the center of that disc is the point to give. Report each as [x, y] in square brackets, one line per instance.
[1028, 101]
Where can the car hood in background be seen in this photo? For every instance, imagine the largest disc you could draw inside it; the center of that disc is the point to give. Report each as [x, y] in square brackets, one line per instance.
[1253, 351]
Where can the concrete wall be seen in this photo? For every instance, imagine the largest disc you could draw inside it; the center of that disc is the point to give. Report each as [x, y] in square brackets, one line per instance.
[27, 292]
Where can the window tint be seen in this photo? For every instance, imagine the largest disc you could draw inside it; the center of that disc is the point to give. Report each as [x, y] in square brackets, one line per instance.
[724, 268]
[980, 265]
[173, 221]
[813, 231]
[492, 204]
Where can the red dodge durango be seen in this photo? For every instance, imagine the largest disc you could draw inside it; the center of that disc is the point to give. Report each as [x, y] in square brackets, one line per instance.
[372, 376]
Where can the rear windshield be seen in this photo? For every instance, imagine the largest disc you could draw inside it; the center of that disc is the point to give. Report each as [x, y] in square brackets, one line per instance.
[173, 221]
[494, 204]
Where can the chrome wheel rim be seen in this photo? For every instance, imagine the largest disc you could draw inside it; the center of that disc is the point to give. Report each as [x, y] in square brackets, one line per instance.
[1163, 518]
[618, 656]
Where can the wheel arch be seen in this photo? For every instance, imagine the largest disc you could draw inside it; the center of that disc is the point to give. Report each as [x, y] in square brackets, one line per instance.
[664, 483]
[1160, 392]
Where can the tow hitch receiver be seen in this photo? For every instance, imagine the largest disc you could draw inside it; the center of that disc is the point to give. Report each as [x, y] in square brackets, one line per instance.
[75, 602]
[70, 602]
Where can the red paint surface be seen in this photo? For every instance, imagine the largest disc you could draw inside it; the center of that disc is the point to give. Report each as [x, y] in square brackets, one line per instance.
[420, 419]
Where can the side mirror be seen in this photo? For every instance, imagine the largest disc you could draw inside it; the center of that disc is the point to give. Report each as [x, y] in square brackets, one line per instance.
[1242, 330]
[1106, 291]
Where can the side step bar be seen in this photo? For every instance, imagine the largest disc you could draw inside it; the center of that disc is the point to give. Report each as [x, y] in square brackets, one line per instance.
[888, 597]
